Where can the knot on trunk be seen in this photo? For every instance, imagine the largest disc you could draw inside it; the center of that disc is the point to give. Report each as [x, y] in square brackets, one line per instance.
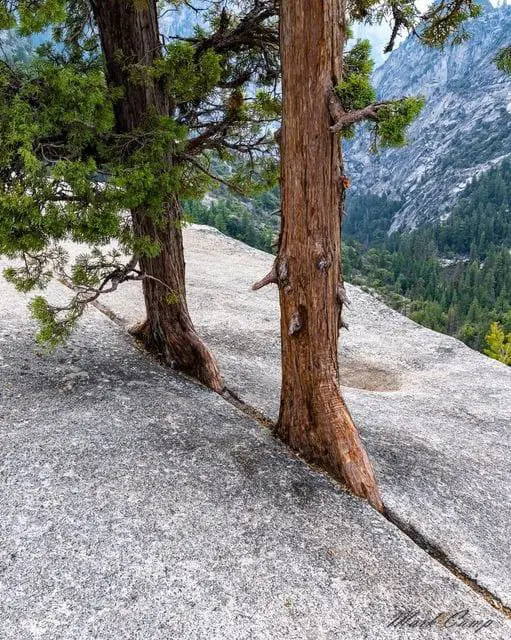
[323, 263]
[296, 323]
[277, 275]
[283, 272]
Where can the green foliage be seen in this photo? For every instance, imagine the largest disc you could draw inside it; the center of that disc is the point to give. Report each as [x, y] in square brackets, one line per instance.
[68, 174]
[481, 218]
[360, 9]
[460, 298]
[253, 180]
[358, 59]
[174, 297]
[36, 271]
[355, 91]
[394, 119]
[27, 279]
[498, 344]
[44, 108]
[267, 105]
[56, 138]
[187, 77]
[445, 20]
[55, 324]
[503, 60]
[141, 169]
[90, 269]
[369, 218]
[143, 245]
[36, 15]
[7, 19]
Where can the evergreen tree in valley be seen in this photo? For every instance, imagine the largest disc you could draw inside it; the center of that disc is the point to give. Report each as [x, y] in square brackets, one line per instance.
[503, 59]
[498, 344]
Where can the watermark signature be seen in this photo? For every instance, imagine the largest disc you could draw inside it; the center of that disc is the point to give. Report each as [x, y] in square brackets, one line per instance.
[413, 619]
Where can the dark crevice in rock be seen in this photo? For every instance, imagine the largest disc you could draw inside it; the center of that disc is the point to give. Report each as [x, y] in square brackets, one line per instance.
[236, 401]
[406, 528]
[440, 556]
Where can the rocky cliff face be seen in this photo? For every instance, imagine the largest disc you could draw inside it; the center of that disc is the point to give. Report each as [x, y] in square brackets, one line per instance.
[19, 48]
[464, 129]
[181, 20]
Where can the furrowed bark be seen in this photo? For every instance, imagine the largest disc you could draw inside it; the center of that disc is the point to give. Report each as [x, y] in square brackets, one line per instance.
[168, 328]
[129, 35]
[314, 419]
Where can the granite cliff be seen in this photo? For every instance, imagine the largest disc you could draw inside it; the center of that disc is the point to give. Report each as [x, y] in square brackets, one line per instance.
[464, 128]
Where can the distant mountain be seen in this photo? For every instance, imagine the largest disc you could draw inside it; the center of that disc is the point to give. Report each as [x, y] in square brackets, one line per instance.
[15, 47]
[182, 20]
[464, 129]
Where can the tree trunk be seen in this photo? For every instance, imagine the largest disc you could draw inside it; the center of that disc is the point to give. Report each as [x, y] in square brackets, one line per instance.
[168, 328]
[129, 35]
[313, 418]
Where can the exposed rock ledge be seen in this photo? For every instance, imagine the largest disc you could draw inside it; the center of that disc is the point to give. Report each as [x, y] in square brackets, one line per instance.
[135, 504]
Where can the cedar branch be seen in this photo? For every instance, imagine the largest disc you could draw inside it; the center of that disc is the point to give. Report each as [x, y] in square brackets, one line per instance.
[343, 119]
[269, 278]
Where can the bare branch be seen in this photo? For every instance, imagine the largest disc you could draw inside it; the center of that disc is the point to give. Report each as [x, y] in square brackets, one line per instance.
[213, 176]
[399, 20]
[269, 278]
[344, 119]
[250, 31]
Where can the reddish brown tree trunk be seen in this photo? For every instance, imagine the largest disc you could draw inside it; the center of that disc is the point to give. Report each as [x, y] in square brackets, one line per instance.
[129, 35]
[313, 419]
[168, 328]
